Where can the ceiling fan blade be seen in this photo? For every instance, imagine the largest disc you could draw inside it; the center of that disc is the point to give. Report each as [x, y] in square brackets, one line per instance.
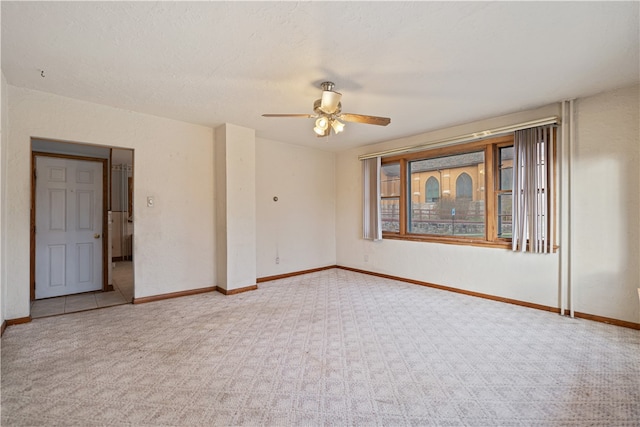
[306, 116]
[329, 101]
[370, 120]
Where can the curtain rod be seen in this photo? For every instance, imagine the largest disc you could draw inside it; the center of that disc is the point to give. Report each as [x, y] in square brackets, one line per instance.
[464, 138]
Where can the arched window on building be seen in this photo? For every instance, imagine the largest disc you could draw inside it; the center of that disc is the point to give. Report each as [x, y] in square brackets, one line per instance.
[464, 187]
[432, 189]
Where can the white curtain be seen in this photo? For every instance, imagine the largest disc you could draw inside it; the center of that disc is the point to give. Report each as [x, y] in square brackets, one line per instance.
[371, 222]
[532, 190]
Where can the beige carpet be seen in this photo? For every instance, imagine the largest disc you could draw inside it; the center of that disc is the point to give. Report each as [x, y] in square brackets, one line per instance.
[329, 348]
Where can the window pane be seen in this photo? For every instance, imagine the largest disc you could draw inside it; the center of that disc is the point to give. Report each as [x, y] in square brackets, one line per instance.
[433, 189]
[464, 188]
[506, 168]
[504, 215]
[390, 197]
[446, 195]
[390, 180]
[390, 214]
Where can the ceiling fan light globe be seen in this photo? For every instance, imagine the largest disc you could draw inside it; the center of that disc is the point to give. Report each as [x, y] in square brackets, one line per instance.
[321, 126]
[337, 126]
[322, 123]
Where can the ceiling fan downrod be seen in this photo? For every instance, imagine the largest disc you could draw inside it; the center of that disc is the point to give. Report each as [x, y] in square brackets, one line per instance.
[327, 86]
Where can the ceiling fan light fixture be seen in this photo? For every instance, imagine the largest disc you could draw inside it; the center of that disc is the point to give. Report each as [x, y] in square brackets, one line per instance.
[337, 126]
[322, 123]
[321, 126]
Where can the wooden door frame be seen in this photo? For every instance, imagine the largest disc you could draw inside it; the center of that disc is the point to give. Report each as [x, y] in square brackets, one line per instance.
[32, 261]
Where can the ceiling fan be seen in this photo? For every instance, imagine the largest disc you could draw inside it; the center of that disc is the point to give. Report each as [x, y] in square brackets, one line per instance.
[328, 113]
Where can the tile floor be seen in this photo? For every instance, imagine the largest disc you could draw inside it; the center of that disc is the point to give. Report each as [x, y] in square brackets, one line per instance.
[122, 294]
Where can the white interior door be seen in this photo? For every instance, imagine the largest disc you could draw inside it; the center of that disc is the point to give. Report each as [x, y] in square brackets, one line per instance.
[68, 226]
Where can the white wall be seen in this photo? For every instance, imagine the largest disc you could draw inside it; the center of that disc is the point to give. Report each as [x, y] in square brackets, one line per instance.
[606, 205]
[608, 269]
[300, 227]
[4, 135]
[174, 241]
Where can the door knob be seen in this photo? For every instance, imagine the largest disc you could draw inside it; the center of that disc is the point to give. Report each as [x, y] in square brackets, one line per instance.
[96, 236]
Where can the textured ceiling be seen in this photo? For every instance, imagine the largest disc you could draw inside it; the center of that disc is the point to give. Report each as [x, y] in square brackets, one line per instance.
[427, 65]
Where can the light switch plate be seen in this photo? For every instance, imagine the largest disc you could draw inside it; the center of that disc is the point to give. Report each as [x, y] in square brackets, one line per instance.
[149, 201]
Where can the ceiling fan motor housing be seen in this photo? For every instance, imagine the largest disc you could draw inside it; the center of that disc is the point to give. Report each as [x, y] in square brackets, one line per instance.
[318, 110]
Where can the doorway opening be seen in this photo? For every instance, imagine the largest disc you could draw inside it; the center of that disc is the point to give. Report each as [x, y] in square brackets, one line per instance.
[121, 222]
[81, 227]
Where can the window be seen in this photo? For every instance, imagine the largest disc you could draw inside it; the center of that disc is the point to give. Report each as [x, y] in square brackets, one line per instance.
[390, 197]
[432, 189]
[455, 213]
[504, 191]
[460, 194]
[463, 187]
